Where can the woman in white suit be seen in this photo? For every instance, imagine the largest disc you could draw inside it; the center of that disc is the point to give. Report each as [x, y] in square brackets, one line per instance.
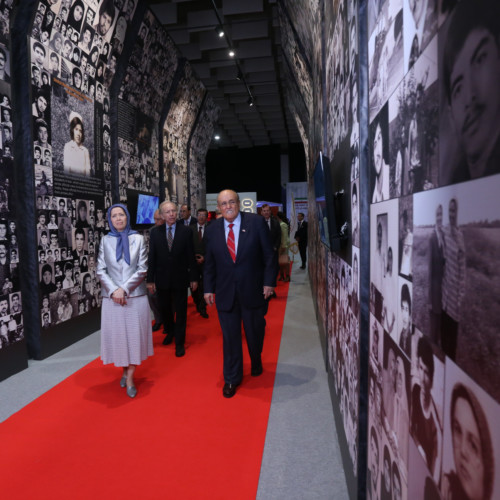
[126, 335]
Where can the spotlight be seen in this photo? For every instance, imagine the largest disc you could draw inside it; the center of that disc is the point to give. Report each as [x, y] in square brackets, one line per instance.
[239, 76]
[216, 137]
[231, 53]
[220, 31]
[250, 101]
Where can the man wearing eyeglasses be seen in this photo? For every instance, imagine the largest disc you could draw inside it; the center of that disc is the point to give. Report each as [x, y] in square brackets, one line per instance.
[239, 277]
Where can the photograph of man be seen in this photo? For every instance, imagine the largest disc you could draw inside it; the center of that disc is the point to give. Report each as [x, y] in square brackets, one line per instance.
[240, 275]
[42, 134]
[301, 238]
[106, 17]
[471, 76]
[425, 426]
[38, 54]
[171, 269]
[373, 469]
[453, 281]
[198, 230]
[79, 244]
[39, 106]
[4, 75]
[406, 332]
[76, 157]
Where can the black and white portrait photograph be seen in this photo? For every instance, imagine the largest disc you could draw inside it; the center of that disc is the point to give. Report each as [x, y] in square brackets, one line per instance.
[405, 236]
[469, 67]
[413, 126]
[420, 26]
[73, 132]
[385, 51]
[455, 252]
[427, 397]
[471, 464]
[404, 333]
[379, 157]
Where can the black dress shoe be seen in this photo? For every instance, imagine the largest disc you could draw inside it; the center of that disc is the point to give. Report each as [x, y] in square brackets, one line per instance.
[302, 267]
[168, 339]
[180, 351]
[229, 390]
[156, 327]
[204, 314]
[257, 369]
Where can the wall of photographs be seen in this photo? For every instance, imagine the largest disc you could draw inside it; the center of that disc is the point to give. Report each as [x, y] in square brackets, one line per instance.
[142, 95]
[11, 308]
[198, 147]
[433, 173]
[177, 129]
[74, 46]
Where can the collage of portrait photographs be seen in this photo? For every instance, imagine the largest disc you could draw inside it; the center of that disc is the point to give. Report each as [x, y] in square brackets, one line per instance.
[78, 43]
[151, 68]
[176, 131]
[341, 69]
[435, 237]
[11, 319]
[198, 147]
[138, 159]
[343, 342]
[68, 235]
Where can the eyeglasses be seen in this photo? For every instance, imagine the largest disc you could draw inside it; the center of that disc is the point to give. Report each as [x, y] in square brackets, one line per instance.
[224, 204]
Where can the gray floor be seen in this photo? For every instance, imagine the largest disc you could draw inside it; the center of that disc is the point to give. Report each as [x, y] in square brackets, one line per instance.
[301, 455]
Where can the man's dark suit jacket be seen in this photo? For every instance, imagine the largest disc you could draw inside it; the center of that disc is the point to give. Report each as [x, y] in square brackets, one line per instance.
[193, 220]
[171, 269]
[275, 233]
[301, 234]
[253, 268]
[198, 246]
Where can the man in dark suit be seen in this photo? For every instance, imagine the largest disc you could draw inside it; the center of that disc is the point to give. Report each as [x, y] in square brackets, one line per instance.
[171, 269]
[239, 276]
[186, 218]
[301, 238]
[198, 230]
[153, 297]
[275, 229]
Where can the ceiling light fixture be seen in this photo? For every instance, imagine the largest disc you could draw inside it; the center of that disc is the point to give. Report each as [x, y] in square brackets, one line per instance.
[220, 31]
[231, 53]
[250, 101]
[239, 76]
[217, 137]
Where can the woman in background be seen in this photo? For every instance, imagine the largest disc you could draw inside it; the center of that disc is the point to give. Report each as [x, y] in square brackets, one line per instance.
[126, 335]
[284, 262]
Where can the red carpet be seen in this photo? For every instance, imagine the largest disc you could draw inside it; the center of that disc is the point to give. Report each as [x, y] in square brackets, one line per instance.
[178, 439]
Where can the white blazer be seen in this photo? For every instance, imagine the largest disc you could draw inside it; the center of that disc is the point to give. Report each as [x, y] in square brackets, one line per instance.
[114, 275]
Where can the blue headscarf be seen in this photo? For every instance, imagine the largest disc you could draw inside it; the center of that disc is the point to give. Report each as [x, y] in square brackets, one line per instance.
[122, 247]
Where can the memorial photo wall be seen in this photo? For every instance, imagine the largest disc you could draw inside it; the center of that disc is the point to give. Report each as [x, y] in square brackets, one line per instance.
[342, 146]
[141, 98]
[11, 300]
[74, 46]
[198, 147]
[434, 74]
[176, 132]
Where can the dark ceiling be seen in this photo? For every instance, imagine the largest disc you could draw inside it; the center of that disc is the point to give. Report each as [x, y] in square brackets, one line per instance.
[251, 28]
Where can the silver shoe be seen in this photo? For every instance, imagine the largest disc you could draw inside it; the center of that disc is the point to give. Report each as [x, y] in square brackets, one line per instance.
[123, 381]
[131, 391]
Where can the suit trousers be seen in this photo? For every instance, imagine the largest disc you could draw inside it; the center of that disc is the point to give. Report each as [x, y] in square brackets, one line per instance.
[303, 252]
[176, 301]
[254, 324]
[155, 307]
[198, 295]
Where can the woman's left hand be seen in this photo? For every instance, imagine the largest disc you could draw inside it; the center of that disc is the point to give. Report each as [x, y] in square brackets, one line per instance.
[119, 297]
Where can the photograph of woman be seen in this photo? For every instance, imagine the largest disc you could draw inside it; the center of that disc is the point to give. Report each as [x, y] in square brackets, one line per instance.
[126, 334]
[76, 155]
[75, 16]
[380, 152]
[473, 457]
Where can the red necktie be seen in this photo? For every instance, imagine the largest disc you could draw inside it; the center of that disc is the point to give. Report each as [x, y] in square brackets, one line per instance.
[230, 243]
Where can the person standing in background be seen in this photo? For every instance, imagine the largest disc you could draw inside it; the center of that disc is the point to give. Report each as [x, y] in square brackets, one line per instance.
[199, 254]
[301, 238]
[275, 229]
